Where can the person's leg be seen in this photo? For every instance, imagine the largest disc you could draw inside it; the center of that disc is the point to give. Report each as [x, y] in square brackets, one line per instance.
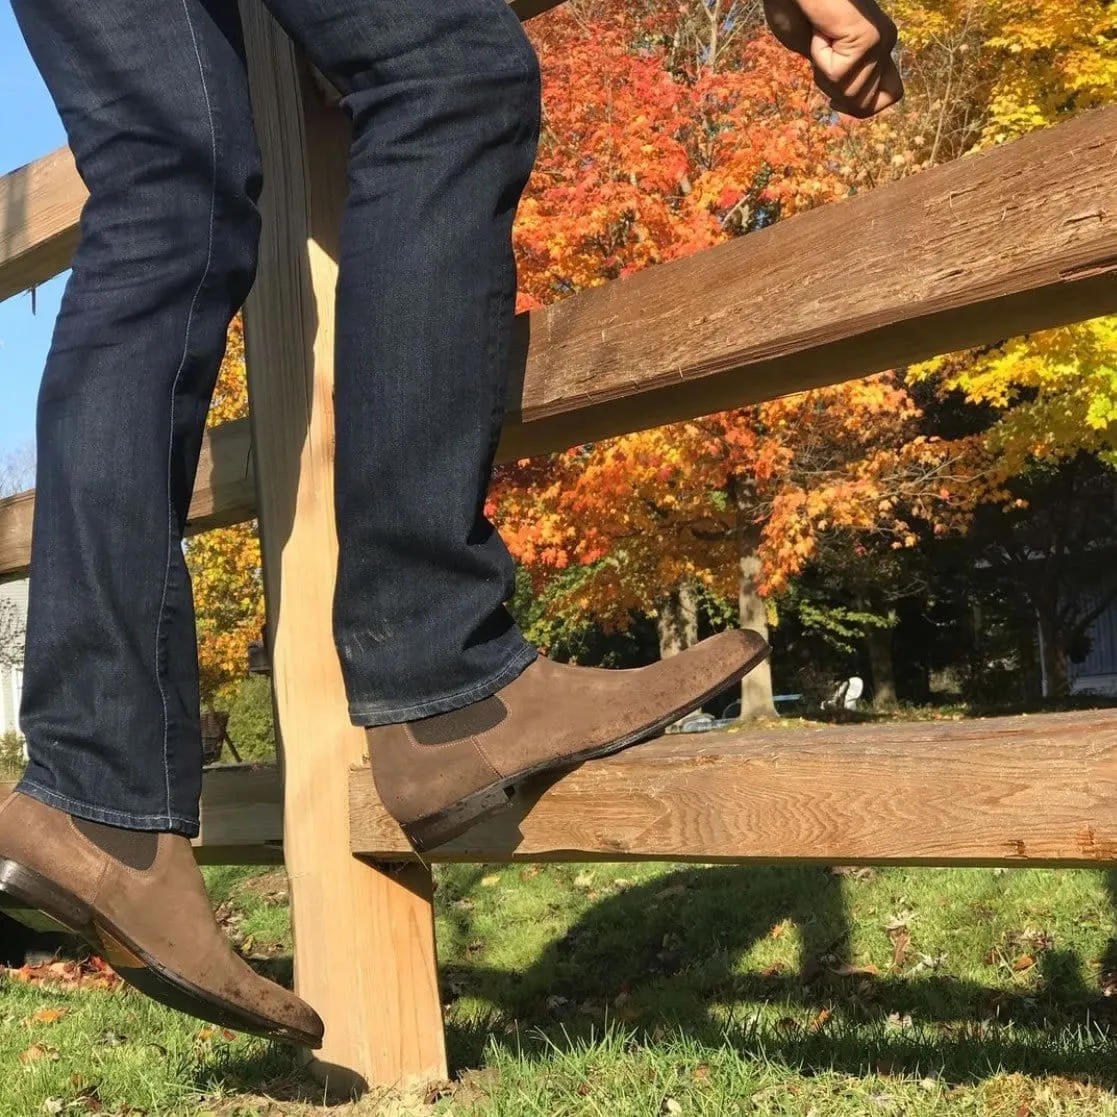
[155, 103]
[444, 100]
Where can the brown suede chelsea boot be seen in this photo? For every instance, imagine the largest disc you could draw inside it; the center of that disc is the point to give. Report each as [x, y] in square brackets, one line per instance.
[440, 775]
[139, 900]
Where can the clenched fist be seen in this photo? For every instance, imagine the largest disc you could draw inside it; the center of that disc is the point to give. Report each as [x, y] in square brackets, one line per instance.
[849, 43]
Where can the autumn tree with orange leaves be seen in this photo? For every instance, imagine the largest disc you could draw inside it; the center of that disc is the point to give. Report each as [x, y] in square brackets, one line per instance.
[670, 126]
[653, 150]
[665, 131]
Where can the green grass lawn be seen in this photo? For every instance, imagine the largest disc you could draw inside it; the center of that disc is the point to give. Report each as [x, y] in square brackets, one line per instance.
[644, 990]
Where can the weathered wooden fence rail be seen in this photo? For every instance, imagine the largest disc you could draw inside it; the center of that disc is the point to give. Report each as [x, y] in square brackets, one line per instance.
[1020, 238]
[1014, 791]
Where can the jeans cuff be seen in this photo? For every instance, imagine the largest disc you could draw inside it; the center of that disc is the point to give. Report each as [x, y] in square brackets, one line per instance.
[160, 823]
[371, 714]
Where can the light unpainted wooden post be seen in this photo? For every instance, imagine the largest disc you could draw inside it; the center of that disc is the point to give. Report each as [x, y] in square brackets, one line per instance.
[364, 936]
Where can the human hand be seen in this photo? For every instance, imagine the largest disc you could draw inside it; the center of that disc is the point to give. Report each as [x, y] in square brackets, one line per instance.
[849, 44]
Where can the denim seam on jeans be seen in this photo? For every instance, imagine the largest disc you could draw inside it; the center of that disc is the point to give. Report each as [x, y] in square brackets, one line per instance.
[174, 394]
[443, 100]
[109, 817]
[370, 714]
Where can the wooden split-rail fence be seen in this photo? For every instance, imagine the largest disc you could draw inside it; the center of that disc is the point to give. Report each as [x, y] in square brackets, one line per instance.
[1017, 239]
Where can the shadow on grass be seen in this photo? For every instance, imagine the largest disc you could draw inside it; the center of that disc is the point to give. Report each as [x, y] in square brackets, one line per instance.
[661, 958]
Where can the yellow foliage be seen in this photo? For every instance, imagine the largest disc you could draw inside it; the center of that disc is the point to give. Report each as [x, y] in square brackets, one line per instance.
[985, 72]
[225, 563]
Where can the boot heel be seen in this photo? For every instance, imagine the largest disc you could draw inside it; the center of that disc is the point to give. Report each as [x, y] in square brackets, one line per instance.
[443, 826]
[37, 903]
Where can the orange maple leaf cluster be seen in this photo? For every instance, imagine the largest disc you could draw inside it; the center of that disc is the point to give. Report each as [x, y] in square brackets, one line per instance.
[650, 154]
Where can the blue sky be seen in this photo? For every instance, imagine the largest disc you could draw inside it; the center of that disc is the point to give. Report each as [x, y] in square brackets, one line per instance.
[29, 127]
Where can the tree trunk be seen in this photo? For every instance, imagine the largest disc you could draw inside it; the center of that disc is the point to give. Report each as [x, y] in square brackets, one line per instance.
[1053, 657]
[879, 643]
[756, 687]
[1027, 653]
[677, 621]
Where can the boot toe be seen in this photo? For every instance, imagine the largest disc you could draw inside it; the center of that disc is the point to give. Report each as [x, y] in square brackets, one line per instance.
[300, 1021]
[714, 663]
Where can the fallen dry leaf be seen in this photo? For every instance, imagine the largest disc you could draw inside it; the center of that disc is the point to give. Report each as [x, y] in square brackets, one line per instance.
[819, 1021]
[491, 880]
[899, 921]
[855, 971]
[38, 1051]
[1024, 962]
[901, 944]
[780, 929]
[87, 1101]
[92, 973]
[438, 1092]
[47, 1015]
[855, 872]
[1032, 942]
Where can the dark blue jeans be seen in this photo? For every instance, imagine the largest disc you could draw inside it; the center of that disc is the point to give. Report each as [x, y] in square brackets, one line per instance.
[444, 100]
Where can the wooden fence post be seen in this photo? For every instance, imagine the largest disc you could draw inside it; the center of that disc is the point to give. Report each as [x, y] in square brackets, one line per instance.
[364, 936]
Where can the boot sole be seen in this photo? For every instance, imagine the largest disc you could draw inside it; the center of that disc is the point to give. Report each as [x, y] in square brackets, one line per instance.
[443, 826]
[42, 905]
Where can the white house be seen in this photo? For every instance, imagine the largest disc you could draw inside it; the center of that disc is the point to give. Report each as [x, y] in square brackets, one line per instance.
[13, 618]
[1098, 672]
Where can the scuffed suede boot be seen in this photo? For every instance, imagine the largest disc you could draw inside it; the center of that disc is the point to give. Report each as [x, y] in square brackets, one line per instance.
[440, 775]
[139, 900]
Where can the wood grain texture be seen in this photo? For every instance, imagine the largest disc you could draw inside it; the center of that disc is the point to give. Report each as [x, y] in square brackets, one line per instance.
[364, 935]
[241, 816]
[1017, 239]
[1017, 791]
[40, 205]
[16, 516]
[225, 489]
[1020, 238]
[224, 494]
[1012, 791]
